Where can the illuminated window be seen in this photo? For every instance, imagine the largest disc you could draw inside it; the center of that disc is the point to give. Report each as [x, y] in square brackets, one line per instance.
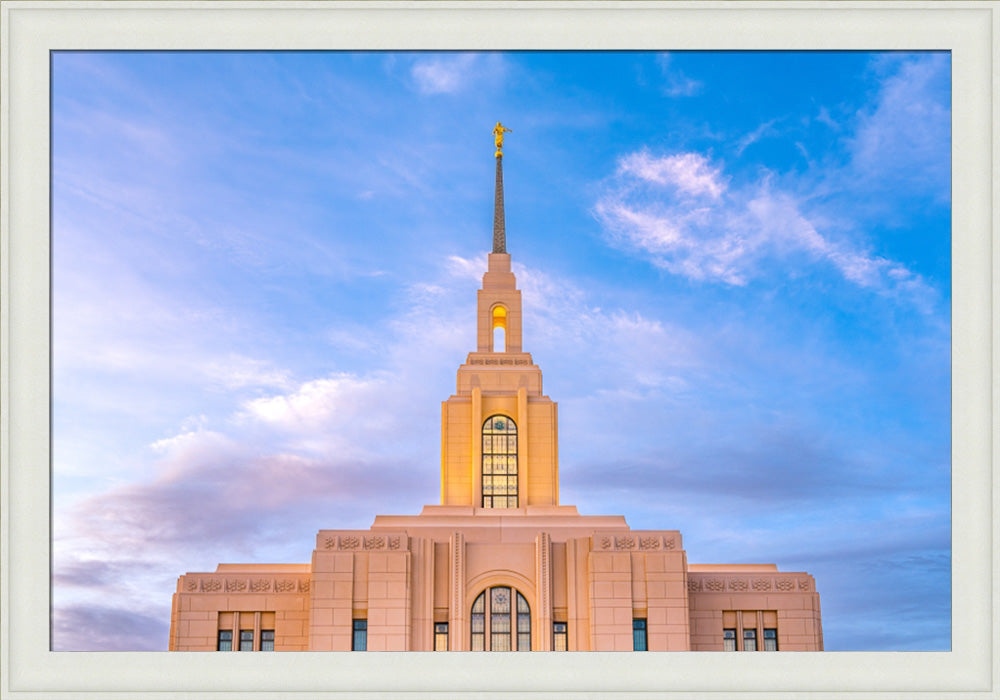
[499, 329]
[359, 641]
[440, 636]
[509, 621]
[729, 640]
[246, 640]
[267, 640]
[225, 640]
[499, 463]
[639, 635]
[770, 639]
[749, 640]
[559, 636]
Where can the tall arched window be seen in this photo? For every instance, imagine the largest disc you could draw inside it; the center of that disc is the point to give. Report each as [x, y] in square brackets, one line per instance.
[508, 620]
[499, 339]
[499, 462]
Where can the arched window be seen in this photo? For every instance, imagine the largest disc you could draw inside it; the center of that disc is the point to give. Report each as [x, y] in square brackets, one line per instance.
[508, 621]
[499, 462]
[499, 337]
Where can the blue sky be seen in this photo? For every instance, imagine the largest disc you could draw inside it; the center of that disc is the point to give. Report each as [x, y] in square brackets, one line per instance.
[736, 279]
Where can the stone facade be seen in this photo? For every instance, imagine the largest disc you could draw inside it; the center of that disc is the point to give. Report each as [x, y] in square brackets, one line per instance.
[499, 564]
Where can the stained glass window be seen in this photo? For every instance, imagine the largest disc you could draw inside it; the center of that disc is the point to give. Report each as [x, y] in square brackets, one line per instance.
[749, 640]
[639, 635]
[770, 639]
[440, 636]
[225, 640]
[267, 640]
[508, 620]
[246, 640]
[729, 640]
[359, 641]
[499, 462]
[560, 636]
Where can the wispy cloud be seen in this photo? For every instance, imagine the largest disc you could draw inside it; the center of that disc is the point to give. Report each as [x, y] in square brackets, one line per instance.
[676, 83]
[453, 73]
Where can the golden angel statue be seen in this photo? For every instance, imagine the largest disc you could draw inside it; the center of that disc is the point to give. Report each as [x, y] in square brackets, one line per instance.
[498, 136]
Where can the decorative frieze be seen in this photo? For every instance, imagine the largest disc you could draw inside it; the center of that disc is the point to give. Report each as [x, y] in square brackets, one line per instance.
[782, 583]
[647, 542]
[498, 361]
[370, 542]
[244, 585]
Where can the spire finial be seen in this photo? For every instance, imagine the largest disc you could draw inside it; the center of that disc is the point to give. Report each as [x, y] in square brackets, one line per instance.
[499, 234]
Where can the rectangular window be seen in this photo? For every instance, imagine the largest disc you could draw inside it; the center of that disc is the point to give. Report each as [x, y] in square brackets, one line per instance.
[246, 640]
[639, 635]
[440, 636]
[729, 640]
[359, 641]
[770, 639]
[749, 640]
[267, 640]
[559, 636]
[225, 640]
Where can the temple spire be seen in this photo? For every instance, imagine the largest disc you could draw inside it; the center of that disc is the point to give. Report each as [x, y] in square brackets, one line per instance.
[499, 233]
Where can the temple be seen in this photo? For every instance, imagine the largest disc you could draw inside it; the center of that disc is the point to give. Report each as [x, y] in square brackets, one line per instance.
[499, 564]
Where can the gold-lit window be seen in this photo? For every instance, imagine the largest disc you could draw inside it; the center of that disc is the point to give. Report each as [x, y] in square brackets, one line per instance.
[508, 618]
[499, 462]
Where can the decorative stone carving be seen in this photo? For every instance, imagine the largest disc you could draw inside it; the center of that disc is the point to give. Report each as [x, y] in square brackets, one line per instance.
[670, 543]
[784, 584]
[715, 584]
[260, 585]
[211, 585]
[349, 542]
[649, 543]
[761, 584]
[374, 543]
[624, 542]
[737, 584]
[235, 585]
[605, 543]
[330, 542]
[803, 584]
[304, 586]
[394, 542]
[694, 585]
[285, 585]
[191, 584]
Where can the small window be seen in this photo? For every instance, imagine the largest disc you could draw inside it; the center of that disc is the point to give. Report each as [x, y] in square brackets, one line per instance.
[440, 636]
[729, 640]
[267, 640]
[749, 640]
[639, 635]
[770, 639]
[225, 640]
[559, 636]
[359, 641]
[523, 624]
[246, 640]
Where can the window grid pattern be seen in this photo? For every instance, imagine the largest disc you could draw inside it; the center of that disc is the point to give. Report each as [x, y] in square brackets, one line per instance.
[508, 618]
[499, 463]
[639, 635]
[729, 640]
[770, 639]
[225, 640]
[267, 640]
[246, 640]
[560, 636]
[749, 640]
[359, 639]
[440, 636]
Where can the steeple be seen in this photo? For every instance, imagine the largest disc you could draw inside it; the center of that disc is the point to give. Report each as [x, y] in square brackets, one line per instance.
[499, 234]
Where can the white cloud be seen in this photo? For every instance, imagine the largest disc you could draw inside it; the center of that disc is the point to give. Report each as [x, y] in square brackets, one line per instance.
[676, 83]
[679, 211]
[765, 129]
[452, 73]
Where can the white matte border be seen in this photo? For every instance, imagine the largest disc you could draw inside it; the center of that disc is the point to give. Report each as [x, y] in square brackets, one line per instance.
[31, 29]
